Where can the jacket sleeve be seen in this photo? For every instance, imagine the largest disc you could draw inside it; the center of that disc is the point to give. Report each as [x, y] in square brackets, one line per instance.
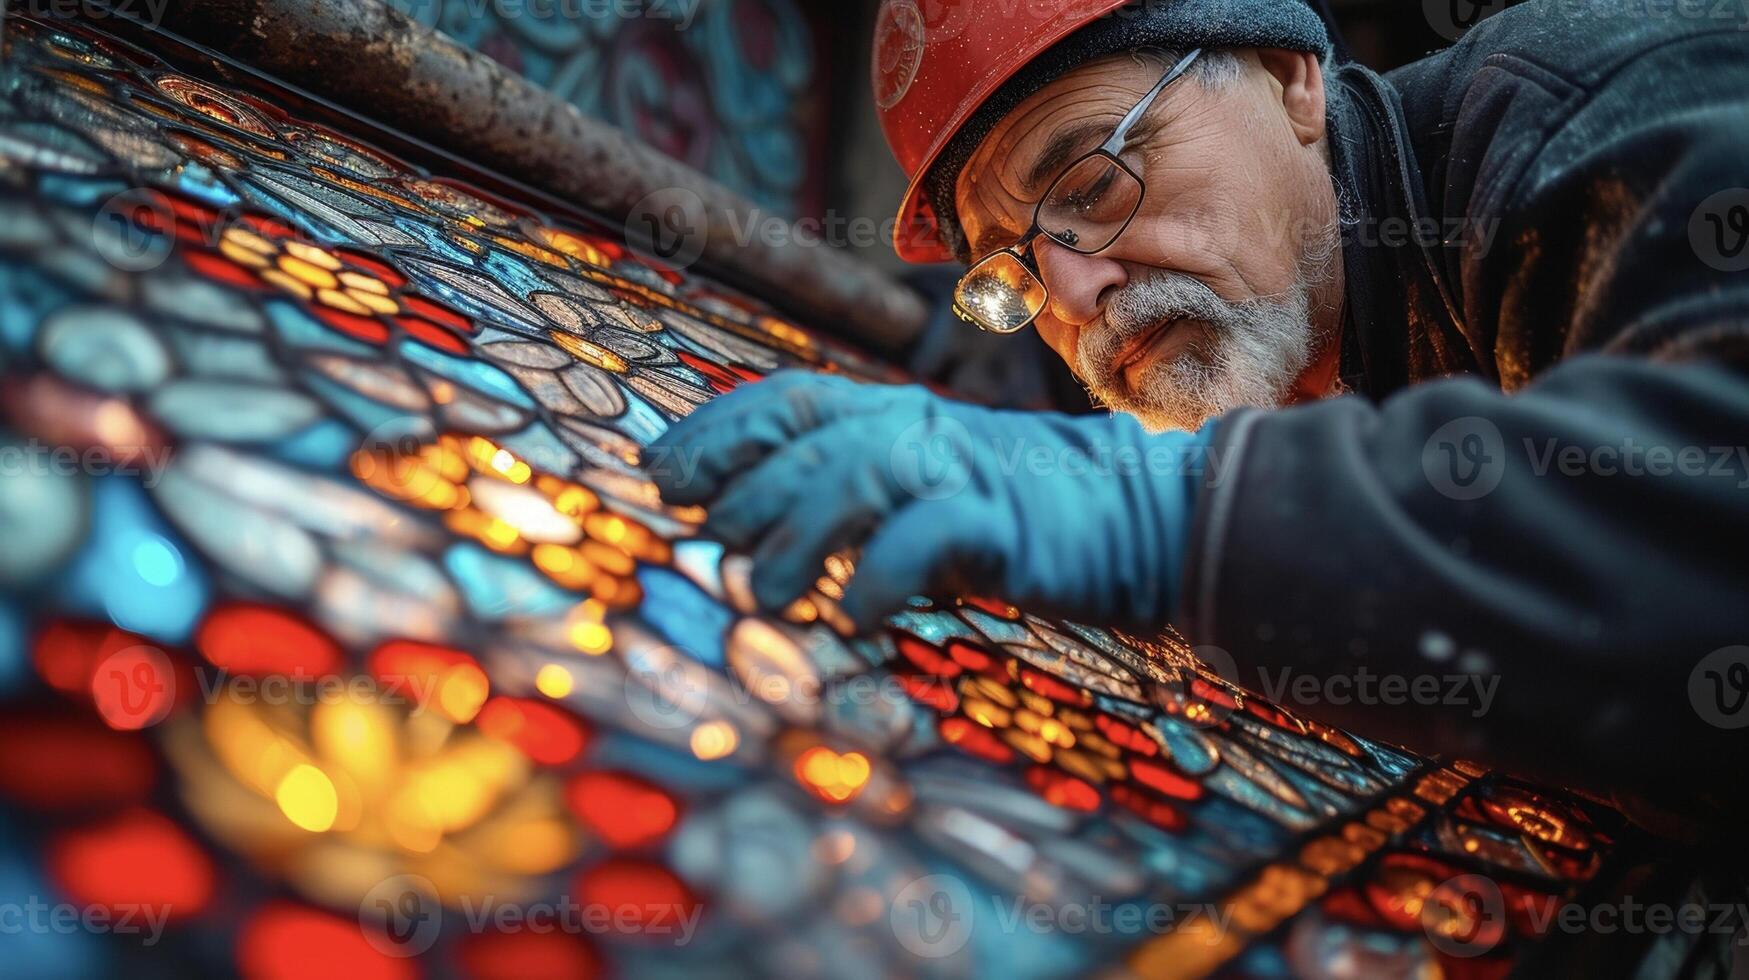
[1547, 572]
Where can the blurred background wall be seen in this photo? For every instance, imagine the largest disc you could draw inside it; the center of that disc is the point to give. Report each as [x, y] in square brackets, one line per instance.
[770, 96]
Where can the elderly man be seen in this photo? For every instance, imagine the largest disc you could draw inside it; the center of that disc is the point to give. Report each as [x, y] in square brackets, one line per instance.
[1433, 378]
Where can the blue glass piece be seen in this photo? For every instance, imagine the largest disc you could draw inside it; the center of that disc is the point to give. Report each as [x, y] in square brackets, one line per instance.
[436, 244]
[26, 298]
[999, 630]
[81, 192]
[39, 949]
[476, 374]
[496, 587]
[1390, 760]
[513, 273]
[197, 181]
[323, 446]
[134, 569]
[701, 561]
[937, 625]
[14, 671]
[692, 621]
[1190, 748]
[1231, 784]
[639, 420]
[675, 770]
[299, 329]
[381, 421]
[1245, 831]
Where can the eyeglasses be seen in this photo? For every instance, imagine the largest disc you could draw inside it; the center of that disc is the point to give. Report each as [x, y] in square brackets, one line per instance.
[1085, 209]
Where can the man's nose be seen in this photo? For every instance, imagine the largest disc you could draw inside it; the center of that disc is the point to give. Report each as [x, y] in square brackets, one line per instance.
[1079, 284]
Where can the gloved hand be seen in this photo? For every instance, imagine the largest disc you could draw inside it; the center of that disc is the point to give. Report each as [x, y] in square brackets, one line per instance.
[1085, 517]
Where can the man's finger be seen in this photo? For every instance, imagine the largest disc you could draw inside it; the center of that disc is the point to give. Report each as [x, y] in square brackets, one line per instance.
[852, 495]
[785, 480]
[926, 545]
[738, 430]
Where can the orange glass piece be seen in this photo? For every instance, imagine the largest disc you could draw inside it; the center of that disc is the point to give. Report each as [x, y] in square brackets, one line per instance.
[137, 859]
[284, 941]
[621, 809]
[544, 733]
[249, 639]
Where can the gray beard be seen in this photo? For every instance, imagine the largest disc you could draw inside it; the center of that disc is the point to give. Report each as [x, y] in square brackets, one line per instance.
[1250, 356]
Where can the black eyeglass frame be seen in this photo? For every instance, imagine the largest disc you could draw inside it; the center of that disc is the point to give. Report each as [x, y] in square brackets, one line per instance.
[1022, 250]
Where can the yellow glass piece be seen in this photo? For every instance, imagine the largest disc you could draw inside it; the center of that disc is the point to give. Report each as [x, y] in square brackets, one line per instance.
[241, 255]
[535, 252]
[307, 798]
[363, 283]
[1027, 744]
[609, 559]
[346, 304]
[245, 239]
[461, 692]
[590, 637]
[312, 255]
[992, 690]
[287, 283]
[985, 713]
[554, 681]
[358, 736]
[589, 353]
[308, 273]
[714, 740]
[446, 458]
[373, 302]
[575, 501]
[573, 246]
[564, 566]
[836, 777]
[786, 333]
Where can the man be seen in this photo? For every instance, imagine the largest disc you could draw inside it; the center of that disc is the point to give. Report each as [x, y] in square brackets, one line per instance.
[1433, 378]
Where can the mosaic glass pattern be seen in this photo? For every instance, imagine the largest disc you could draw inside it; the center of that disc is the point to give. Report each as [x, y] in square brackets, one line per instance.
[344, 427]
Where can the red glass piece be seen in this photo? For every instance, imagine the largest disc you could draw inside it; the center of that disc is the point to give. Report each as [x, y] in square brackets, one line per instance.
[62, 761]
[543, 732]
[271, 227]
[436, 313]
[284, 941]
[720, 379]
[621, 809]
[257, 640]
[1158, 777]
[1051, 687]
[366, 328]
[137, 859]
[1152, 809]
[432, 335]
[1062, 789]
[925, 657]
[528, 955]
[645, 898]
[1126, 736]
[969, 657]
[931, 690]
[976, 739]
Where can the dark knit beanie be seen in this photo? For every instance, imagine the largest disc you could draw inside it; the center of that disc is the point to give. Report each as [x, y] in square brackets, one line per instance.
[1173, 25]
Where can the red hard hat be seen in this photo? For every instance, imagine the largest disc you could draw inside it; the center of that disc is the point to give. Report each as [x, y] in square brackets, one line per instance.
[935, 62]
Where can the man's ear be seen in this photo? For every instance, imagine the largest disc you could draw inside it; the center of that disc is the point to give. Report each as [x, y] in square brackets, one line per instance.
[1299, 81]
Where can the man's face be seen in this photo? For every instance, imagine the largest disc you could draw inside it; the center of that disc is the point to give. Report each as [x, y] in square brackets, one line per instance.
[1224, 289]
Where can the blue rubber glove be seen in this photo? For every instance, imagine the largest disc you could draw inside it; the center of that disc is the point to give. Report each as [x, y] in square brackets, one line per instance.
[1085, 517]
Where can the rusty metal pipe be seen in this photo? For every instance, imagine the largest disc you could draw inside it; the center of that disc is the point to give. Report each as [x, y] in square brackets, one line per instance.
[374, 60]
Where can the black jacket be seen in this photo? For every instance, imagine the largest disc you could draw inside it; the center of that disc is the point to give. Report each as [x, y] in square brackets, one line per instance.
[1493, 501]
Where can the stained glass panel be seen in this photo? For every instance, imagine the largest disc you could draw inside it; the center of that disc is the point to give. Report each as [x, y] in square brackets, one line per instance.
[341, 627]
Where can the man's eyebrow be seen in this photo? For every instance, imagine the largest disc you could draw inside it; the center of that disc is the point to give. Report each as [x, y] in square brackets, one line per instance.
[1056, 152]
